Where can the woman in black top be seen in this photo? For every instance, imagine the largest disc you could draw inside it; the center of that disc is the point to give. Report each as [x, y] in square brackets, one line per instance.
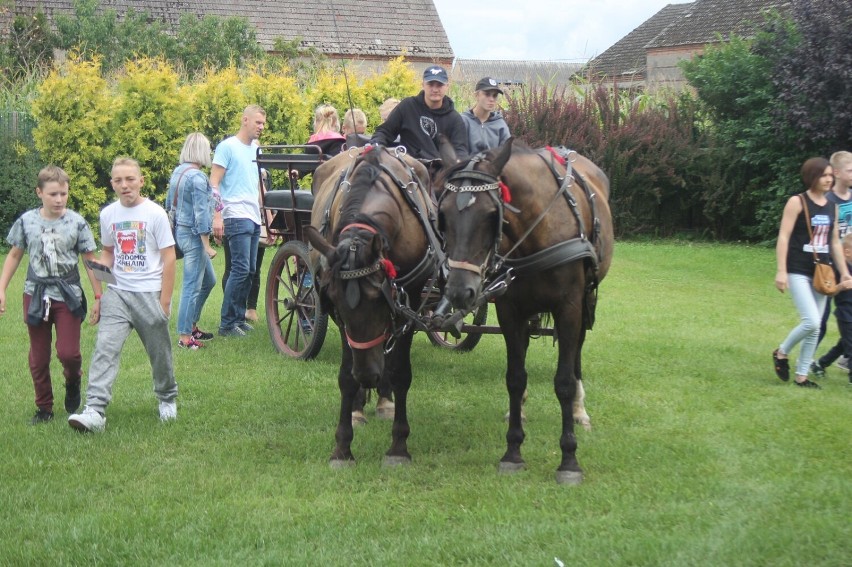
[795, 256]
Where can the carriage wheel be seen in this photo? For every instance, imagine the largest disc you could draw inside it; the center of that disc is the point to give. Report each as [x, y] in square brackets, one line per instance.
[467, 340]
[295, 319]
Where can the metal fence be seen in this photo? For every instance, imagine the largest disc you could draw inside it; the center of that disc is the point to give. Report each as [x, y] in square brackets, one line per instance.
[17, 125]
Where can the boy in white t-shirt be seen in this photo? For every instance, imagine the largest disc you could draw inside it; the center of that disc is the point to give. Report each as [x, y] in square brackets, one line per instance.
[139, 247]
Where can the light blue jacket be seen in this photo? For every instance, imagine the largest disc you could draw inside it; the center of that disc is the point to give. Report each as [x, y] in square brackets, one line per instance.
[195, 199]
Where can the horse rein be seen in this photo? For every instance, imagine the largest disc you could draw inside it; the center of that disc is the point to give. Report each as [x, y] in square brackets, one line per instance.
[564, 184]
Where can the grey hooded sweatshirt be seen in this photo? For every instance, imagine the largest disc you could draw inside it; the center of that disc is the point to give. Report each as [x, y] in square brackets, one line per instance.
[483, 136]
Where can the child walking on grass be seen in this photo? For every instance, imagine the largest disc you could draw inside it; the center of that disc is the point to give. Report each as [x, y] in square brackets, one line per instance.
[54, 237]
[139, 249]
[843, 313]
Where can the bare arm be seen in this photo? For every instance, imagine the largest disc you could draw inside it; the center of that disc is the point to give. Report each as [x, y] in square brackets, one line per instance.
[792, 210]
[837, 252]
[217, 172]
[95, 315]
[205, 241]
[169, 261]
[10, 265]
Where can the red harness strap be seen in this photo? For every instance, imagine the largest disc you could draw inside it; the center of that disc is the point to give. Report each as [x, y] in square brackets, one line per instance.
[364, 346]
[555, 155]
[366, 227]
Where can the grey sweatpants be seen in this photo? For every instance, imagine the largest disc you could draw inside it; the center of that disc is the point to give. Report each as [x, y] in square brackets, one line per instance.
[121, 312]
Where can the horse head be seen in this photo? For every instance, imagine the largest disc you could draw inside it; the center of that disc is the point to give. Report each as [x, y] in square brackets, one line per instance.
[356, 283]
[471, 218]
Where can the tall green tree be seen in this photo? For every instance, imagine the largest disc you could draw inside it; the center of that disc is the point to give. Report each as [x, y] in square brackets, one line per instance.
[756, 154]
[774, 102]
[27, 47]
[813, 75]
[196, 43]
[213, 42]
[93, 32]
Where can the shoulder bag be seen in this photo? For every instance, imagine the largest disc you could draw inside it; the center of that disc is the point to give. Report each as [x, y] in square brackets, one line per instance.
[824, 280]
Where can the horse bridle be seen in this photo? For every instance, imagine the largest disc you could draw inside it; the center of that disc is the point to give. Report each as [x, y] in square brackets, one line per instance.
[464, 190]
[388, 287]
[393, 287]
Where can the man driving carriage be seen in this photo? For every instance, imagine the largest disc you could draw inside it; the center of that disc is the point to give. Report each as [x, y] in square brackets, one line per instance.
[418, 120]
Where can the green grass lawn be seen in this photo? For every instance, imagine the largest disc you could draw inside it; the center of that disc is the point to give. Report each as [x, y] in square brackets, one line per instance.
[698, 454]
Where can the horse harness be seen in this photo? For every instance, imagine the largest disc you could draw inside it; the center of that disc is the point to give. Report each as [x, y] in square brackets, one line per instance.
[392, 286]
[501, 268]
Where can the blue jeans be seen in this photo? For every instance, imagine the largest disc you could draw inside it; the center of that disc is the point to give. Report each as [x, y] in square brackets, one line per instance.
[198, 279]
[810, 305]
[242, 236]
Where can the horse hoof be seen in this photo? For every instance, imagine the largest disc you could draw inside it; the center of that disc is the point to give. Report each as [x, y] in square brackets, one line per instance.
[508, 467]
[358, 419]
[569, 477]
[396, 461]
[585, 422]
[385, 409]
[338, 464]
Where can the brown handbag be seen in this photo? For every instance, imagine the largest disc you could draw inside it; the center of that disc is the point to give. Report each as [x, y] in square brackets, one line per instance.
[825, 281]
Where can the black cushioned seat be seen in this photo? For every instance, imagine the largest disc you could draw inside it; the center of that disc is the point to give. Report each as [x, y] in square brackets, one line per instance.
[283, 199]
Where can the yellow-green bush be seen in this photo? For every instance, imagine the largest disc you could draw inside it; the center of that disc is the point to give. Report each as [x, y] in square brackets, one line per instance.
[398, 80]
[285, 106]
[149, 121]
[217, 103]
[73, 108]
[145, 110]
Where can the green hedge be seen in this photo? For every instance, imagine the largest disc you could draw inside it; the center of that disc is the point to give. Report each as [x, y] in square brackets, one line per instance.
[86, 119]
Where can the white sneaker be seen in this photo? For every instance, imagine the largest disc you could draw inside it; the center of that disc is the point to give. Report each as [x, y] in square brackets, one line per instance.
[168, 411]
[87, 420]
[843, 363]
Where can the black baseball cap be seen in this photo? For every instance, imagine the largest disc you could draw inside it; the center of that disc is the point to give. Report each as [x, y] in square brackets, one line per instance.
[488, 84]
[436, 73]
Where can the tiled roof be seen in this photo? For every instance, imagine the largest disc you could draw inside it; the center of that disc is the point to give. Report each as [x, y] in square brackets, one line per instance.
[355, 28]
[514, 72]
[627, 56]
[707, 18]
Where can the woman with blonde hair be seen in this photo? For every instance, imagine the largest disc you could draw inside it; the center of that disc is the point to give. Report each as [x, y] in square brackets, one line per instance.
[327, 130]
[191, 197]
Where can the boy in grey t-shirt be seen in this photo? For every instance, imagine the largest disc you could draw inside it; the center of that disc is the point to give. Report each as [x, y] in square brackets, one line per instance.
[54, 237]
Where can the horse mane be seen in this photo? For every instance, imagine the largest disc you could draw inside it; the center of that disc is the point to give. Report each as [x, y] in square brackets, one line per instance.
[366, 173]
[365, 176]
[518, 147]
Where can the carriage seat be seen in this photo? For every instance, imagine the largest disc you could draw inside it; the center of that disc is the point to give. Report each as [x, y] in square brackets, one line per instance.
[283, 199]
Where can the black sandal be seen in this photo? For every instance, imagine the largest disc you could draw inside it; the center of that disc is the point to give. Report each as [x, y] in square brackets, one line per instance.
[782, 366]
[808, 384]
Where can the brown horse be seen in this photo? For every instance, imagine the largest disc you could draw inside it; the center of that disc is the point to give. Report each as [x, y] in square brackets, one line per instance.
[519, 215]
[371, 224]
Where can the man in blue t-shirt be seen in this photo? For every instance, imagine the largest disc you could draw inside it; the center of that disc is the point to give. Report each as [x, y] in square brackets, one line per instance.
[234, 176]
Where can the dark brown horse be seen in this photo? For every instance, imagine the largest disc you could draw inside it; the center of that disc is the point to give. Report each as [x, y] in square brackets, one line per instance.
[371, 224]
[519, 215]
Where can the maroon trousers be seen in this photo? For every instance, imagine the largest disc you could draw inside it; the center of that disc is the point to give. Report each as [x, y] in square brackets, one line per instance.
[67, 350]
